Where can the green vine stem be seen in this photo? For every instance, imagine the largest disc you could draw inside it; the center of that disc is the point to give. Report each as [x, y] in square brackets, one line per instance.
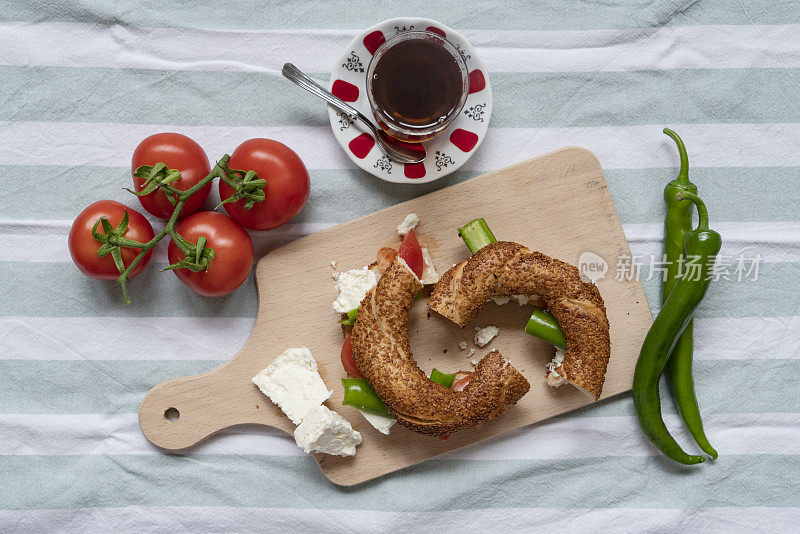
[198, 256]
[112, 239]
[246, 185]
[155, 177]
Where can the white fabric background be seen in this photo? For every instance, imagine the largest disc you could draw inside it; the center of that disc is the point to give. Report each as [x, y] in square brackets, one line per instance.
[83, 82]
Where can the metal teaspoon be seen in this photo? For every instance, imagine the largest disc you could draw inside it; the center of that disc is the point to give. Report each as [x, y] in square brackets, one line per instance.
[397, 151]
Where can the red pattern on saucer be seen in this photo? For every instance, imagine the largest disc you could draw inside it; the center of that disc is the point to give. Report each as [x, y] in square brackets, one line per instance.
[361, 145]
[477, 82]
[374, 40]
[434, 29]
[344, 90]
[414, 171]
[463, 139]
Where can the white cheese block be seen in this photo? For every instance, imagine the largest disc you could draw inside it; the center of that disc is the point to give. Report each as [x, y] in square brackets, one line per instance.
[382, 424]
[429, 274]
[352, 286]
[292, 382]
[325, 431]
[408, 224]
[484, 335]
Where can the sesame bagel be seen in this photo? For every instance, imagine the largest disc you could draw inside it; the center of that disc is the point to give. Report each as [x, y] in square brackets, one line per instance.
[383, 355]
[505, 268]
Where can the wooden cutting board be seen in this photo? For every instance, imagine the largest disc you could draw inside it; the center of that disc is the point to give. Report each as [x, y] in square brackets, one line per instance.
[558, 204]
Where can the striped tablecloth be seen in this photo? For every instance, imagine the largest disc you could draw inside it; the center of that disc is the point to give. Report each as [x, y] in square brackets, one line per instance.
[83, 81]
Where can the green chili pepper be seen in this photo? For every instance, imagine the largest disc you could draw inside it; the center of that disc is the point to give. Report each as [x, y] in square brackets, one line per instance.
[351, 318]
[700, 247]
[677, 224]
[544, 326]
[476, 235]
[444, 379]
[359, 394]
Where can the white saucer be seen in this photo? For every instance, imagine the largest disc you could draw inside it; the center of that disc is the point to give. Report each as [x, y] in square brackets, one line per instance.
[450, 149]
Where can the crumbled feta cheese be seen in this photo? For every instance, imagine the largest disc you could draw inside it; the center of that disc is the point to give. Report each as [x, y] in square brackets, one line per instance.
[521, 299]
[352, 286]
[292, 382]
[462, 345]
[408, 224]
[474, 362]
[484, 335]
[553, 378]
[470, 353]
[382, 424]
[324, 430]
[429, 274]
[333, 264]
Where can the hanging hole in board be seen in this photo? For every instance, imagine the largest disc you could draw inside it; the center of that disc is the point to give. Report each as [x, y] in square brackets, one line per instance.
[172, 414]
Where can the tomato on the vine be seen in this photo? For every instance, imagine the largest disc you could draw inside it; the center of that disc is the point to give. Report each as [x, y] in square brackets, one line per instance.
[233, 253]
[83, 247]
[287, 186]
[176, 151]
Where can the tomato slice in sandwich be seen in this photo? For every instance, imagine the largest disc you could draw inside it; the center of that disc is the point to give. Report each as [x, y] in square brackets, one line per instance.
[411, 253]
[348, 361]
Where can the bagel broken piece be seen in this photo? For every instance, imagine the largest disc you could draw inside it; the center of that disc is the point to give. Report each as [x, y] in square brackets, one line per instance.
[383, 355]
[504, 268]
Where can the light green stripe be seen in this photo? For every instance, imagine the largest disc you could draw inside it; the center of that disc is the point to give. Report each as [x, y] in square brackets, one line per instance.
[68, 293]
[157, 97]
[529, 99]
[38, 482]
[765, 297]
[344, 194]
[722, 387]
[47, 192]
[60, 290]
[644, 97]
[502, 15]
[118, 386]
[734, 194]
[97, 386]
[78, 187]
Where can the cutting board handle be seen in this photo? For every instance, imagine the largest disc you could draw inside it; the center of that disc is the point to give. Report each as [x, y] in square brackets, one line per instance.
[180, 413]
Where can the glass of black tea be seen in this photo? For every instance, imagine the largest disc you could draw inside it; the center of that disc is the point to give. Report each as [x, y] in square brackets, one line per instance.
[417, 84]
